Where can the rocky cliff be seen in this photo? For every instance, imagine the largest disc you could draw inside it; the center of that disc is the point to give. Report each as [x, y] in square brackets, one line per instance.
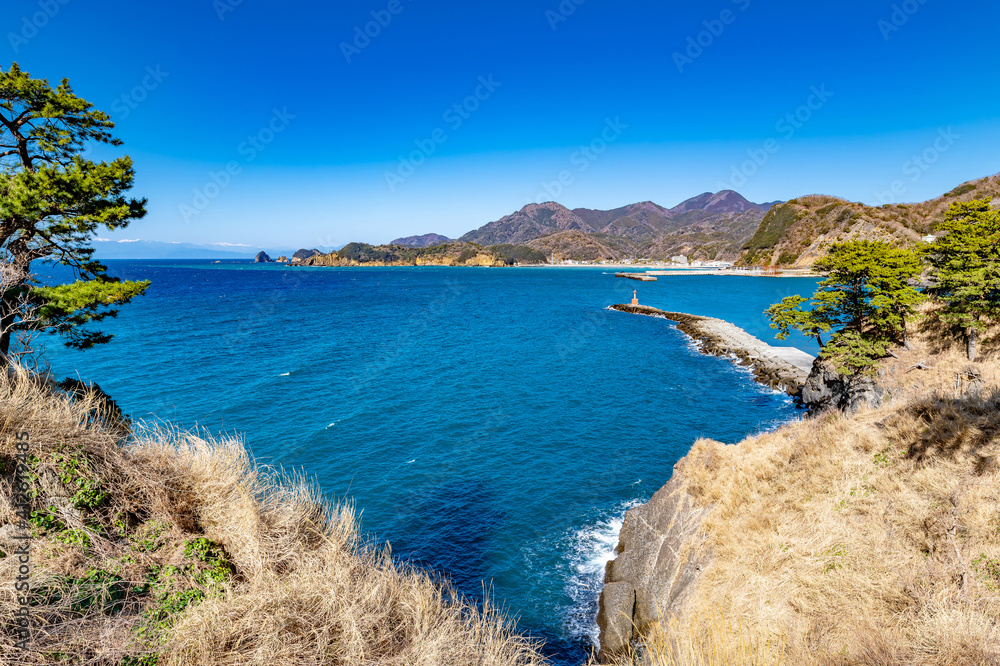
[825, 388]
[850, 538]
[654, 574]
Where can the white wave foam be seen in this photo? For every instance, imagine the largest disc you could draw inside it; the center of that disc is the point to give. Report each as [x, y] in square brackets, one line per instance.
[284, 374]
[590, 549]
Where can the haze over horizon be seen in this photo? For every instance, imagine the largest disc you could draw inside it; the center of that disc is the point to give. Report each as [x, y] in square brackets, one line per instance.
[287, 125]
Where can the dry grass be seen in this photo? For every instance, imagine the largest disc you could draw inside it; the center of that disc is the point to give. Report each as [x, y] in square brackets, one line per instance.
[705, 638]
[186, 552]
[866, 540]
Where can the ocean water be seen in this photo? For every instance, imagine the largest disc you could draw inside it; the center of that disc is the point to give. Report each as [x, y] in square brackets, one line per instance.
[493, 425]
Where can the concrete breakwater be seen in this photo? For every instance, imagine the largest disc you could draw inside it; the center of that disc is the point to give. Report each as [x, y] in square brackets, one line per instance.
[641, 277]
[781, 368]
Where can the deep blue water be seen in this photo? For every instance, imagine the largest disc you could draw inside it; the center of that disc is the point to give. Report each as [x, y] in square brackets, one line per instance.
[492, 424]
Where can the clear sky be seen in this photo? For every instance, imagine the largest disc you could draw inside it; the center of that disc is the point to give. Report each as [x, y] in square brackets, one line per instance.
[331, 135]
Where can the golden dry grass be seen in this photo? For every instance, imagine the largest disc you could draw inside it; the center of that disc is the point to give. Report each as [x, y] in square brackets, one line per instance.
[872, 539]
[283, 578]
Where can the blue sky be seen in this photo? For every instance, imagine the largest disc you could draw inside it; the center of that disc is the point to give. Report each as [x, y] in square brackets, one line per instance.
[284, 124]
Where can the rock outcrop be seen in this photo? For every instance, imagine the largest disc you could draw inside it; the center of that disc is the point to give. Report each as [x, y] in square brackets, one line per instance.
[660, 555]
[825, 388]
[303, 255]
[262, 258]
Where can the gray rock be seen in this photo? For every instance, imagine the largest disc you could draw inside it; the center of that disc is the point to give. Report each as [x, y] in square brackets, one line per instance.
[826, 389]
[51, 485]
[262, 258]
[57, 495]
[614, 617]
[660, 556]
[8, 540]
[969, 382]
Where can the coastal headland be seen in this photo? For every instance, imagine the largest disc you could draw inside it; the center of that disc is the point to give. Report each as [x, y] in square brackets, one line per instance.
[780, 368]
[862, 537]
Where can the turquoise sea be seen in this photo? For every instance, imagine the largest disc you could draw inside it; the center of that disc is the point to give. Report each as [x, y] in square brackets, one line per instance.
[493, 425]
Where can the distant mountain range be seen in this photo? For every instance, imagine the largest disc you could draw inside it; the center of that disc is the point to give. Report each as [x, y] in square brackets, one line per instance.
[723, 226]
[708, 226]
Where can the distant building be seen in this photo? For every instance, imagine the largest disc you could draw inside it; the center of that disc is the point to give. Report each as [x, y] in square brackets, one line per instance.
[679, 259]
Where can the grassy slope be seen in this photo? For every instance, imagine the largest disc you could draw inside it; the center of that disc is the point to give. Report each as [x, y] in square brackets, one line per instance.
[872, 539]
[796, 233]
[168, 549]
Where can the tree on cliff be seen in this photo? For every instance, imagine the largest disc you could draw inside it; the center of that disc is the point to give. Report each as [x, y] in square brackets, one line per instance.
[865, 299]
[966, 268]
[53, 201]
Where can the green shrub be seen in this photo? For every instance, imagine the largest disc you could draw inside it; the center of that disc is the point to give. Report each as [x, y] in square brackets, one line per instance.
[773, 227]
[516, 254]
[787, 258]
[961, 189]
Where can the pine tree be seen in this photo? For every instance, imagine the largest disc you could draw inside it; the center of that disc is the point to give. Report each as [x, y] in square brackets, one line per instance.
[52, 201]
[966, 268]
[866, 299]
